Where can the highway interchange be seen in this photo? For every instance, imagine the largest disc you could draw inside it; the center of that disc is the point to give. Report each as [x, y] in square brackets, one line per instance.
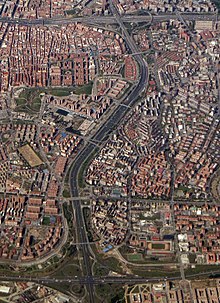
[107, 20]
[100, 136]
[89, 149]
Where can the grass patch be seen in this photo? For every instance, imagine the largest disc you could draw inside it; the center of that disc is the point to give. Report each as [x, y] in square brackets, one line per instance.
[46, 220]
[125, 250]
[71, 12]
[110, 263]
[203, 269]
[21, 101]
[106, 293]
[158, 246]
[215, 185]
[153, 217]
[217, 3]
[69, 270]
[85, 89]
[60, 92]
[100, 270]
[35, 105]
[66, 180]
[154, 272]
[66, 193]
[29, 99]
[66, 91]
[87, 219]
[113, 264]
[135, 257]
[68, 213]
[84, 166]
[62, 287]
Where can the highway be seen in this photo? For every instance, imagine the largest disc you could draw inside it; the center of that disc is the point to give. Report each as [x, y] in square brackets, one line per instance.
[89, 149]
[95, 280]
[86, 280]
[101, 135]
[106, 20]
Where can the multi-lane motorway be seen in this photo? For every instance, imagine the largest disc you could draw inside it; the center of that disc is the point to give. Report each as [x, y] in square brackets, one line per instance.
[107, 20]
[95, 280]
[100, 136]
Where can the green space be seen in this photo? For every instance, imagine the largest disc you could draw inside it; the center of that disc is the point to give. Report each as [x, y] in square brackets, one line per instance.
[68, 214]
[5, 138]
[183, 188]
[152, 217]
[192, 258]
[46, 220]
[67, 176]
[71, 12]
[156, 272]
[35, 105]
[87, 218]
[130, 27]
[125, 249]
[202, 269]
[107, 295]
[28, 93]
[29, 99]
[66, 91]
[158, 246]
[215, 185]
[85, 89]
[60, 92]
[49, 266]
[106, 261]
[150, 59]
[69, 270]
[134, 257]
[113, 264]
[217, 3]
[100, 270]
[83, 168]
[21, 101]
[67, 209]
[66, 193]
[3, 295]
[62, 287]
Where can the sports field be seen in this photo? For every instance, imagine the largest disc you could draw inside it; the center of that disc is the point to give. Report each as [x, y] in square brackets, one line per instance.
[134, 257]
[29, 155]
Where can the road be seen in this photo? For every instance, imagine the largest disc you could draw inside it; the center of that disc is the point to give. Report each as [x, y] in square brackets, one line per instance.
[102, 280]
[106, 20]
[89, 149]
[99, 136]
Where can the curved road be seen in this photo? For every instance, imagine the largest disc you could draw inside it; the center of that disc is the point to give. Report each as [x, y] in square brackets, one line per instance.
[100, 136]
